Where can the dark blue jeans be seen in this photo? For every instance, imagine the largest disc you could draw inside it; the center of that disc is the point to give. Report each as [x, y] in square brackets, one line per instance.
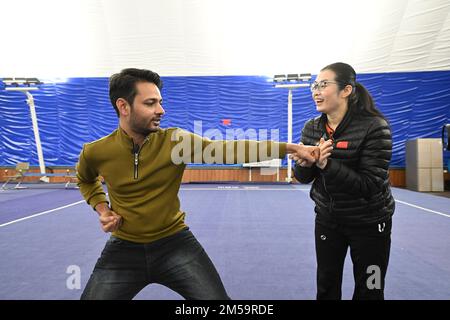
[178, 262]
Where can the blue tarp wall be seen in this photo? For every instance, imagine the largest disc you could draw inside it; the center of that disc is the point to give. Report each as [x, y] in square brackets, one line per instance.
[417, 104]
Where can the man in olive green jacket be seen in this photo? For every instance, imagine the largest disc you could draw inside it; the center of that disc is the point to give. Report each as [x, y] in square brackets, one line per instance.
[142, 166]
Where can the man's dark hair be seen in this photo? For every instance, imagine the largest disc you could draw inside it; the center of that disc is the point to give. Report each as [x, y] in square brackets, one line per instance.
[123, 84]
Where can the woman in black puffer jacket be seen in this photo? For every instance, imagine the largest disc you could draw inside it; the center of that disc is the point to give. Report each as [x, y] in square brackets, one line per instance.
[351, 191]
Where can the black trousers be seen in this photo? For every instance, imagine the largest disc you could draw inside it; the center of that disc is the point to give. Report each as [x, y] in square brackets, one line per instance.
[369, 250]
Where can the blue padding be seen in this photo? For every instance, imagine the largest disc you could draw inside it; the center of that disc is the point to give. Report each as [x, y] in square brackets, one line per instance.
[417, 104]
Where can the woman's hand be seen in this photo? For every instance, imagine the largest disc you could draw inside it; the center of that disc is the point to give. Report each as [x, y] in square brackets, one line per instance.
[325, 148]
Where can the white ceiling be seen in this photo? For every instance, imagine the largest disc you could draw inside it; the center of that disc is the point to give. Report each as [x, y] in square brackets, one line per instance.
[62, 38]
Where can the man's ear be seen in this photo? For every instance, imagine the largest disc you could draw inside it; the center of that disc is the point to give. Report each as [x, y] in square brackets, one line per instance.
[123, 107]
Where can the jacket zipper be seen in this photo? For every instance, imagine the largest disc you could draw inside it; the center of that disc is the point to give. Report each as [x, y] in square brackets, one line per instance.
[136, 152]
[330, 206]
[136, 163]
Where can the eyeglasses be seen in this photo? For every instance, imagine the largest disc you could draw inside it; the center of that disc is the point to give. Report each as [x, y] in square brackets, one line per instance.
[321, 85]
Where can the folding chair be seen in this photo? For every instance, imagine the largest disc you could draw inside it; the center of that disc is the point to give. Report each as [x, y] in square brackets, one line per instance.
[21, 169]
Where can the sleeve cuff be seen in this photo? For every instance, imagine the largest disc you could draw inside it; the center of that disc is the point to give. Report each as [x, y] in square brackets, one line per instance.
[281, 149]
[95, 200]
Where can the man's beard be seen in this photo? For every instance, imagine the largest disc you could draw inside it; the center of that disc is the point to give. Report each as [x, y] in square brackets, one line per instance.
[139, 128]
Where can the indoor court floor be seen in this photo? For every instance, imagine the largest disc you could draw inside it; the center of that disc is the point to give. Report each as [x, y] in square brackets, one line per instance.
[259, 236]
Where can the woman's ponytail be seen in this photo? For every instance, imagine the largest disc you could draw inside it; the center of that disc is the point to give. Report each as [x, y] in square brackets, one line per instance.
[360, 101]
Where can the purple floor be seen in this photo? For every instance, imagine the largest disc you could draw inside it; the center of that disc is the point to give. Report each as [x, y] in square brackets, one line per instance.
[260, 237]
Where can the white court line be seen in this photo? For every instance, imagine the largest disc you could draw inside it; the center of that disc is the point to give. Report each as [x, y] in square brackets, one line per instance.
[42, 213]
[422, 208]
[237, 189]
[208, 189]
[303, 189]
[83, 201]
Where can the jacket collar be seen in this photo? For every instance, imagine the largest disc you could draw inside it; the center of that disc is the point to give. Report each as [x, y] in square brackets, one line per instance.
[127, 142]
[124, 139]
[340, 128]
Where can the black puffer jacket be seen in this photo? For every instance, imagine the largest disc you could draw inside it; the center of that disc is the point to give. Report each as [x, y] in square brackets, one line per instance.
[353, 188]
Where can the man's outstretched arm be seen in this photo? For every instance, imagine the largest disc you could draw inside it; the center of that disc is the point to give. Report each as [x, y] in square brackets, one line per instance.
[301, 151]
[192, 148]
